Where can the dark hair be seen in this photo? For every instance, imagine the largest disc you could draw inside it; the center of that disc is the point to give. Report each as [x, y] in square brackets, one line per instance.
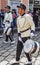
[8, 7]
[14, 10]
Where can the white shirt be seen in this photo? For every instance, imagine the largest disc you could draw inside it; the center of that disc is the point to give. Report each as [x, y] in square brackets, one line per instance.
[8, 17]
[23, 23]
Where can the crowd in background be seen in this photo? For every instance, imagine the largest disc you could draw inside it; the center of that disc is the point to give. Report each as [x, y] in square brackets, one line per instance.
[36, 17]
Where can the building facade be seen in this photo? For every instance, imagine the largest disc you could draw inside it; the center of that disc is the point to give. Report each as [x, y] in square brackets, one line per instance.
[35, 3]
[13, 3]
[3, 3]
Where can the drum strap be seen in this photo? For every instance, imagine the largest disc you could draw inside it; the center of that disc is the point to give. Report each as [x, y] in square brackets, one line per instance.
[35, 48]
[7, 29]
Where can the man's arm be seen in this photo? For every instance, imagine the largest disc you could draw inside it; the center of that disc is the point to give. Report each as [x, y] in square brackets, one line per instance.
[18, 27]
[32, 25]
[10, 19]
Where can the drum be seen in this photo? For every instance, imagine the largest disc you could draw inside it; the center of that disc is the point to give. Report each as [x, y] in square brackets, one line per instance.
[7, 30]
[31, 46]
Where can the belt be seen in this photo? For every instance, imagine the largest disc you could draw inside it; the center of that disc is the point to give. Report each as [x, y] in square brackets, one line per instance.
[24, 30]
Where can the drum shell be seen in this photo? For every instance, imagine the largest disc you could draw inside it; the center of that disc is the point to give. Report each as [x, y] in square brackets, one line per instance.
[37, 50]
[8, 31]
[31, 43]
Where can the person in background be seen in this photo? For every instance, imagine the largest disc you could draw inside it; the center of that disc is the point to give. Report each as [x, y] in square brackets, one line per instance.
[7, 22]
[2, 14]
[39, 17]
[14, 15]
[30, 13]
[35, 18]
[2, 17]
[26, 29]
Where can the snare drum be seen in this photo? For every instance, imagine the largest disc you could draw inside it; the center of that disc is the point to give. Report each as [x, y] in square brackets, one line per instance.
[31, 46]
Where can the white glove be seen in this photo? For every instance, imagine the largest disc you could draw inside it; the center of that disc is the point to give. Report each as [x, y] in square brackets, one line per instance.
[20, 39]
[31, 35]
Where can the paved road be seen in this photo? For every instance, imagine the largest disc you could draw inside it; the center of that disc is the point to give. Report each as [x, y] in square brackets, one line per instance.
[8, 52]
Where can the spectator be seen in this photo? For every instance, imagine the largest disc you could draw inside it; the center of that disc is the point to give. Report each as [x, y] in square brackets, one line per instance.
[0, 19]
[2, 16]
[30, 13]
[14, 14]
[35, 18]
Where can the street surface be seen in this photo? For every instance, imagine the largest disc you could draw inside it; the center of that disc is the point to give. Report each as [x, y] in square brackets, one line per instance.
[8, 51]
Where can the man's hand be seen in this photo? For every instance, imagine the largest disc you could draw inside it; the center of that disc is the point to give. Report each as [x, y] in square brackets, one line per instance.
[19, 38]
[8, 21]
[32, 33]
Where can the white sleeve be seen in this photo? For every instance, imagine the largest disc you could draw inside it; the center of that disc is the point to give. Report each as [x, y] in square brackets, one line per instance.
[4, 19]
[32, 25]
[10, 19]
[18, 26]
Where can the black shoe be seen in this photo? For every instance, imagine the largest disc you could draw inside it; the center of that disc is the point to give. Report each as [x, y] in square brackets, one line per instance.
[15, 64]
[29, 64]
[5, 41]
[12, 42]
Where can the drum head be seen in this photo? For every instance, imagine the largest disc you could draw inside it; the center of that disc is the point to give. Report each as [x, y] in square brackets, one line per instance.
[28, 46]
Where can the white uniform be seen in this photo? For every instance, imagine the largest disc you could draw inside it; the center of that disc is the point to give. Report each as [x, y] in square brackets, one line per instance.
[25, 24]
[8, 17]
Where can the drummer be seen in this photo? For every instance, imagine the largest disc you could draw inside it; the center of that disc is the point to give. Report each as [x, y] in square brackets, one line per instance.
[26, 29]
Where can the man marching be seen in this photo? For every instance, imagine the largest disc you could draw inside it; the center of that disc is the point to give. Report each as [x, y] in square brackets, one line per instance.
[7, 22]
[26, 29]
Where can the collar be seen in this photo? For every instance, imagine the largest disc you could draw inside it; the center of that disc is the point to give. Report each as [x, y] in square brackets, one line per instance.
[8, 12]
[23, 14]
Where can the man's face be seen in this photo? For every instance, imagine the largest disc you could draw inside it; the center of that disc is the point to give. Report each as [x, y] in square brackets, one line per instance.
[7, 9]
[19, 10]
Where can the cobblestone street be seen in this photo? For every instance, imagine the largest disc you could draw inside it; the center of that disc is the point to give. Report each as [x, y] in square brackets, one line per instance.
[8, 52]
